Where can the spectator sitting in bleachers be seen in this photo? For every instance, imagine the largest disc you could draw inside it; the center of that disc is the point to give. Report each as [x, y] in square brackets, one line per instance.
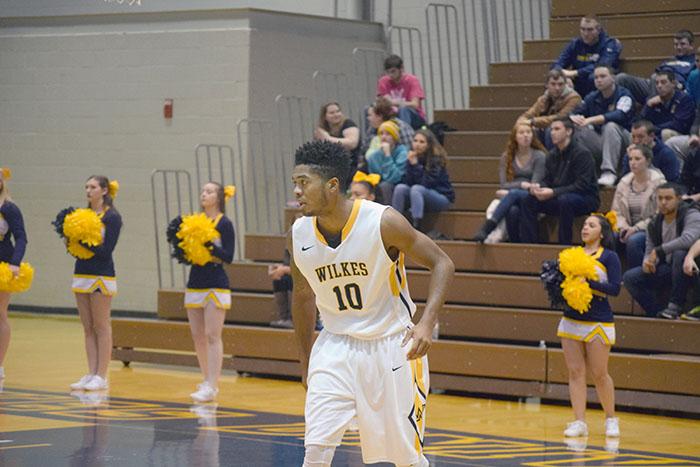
[592, 48]
[690, 175]
[381, 111]
[681, 65]
[664, 159]
[389, 160]
[280, 274]
[363, 186]
[333, 126]
[635, 203]
[558, 100]
[669, 236]
[425, 185]
[403, 90]
[672, 111]
[690, 268]
[522, 164]
[568, 189]
[683, 144]
[603, 120]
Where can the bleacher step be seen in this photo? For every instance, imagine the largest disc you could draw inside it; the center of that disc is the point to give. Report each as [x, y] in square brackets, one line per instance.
[651, 45]
[630, 24]
[618, 7]
[536, 70]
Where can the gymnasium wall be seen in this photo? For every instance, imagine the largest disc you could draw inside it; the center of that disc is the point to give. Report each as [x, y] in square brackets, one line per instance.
[84, 93]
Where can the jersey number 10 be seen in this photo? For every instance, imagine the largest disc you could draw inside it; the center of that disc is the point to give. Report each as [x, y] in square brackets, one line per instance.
[352, 296]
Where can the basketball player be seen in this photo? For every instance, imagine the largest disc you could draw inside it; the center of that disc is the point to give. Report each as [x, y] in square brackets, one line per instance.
[370, 360]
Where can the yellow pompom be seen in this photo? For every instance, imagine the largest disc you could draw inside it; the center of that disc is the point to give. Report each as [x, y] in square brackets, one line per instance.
[195, 232]
[611, 216]
[229, 192]
[79, 251]
[575, 261]
[83, 225]
[6, 173]
[5, 276]
[20, 283]
[113, 188]
[577, 293]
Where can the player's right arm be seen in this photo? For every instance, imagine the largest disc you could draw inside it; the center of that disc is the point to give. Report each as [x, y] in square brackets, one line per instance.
[303, 312]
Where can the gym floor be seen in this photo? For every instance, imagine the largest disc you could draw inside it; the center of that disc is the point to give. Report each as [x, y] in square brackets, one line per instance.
[147, 418]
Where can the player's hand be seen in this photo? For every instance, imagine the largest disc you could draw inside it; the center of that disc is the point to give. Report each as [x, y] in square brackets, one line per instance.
[14, 269]
[422, 335]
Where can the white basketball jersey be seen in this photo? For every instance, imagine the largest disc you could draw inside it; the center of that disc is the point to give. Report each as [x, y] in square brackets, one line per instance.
[359, 290]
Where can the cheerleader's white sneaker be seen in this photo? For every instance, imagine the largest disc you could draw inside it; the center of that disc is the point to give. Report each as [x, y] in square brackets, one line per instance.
[80, 384]
[205, 393]
[97, 383]
[576, 429]
[612, 427]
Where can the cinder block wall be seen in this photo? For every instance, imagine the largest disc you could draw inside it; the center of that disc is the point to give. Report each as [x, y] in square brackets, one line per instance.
[84, 94]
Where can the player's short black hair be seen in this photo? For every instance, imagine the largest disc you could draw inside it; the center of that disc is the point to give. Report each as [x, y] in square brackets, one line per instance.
[327, 159]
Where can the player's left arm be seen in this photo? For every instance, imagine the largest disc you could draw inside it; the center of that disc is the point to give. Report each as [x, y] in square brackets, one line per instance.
[399, 235]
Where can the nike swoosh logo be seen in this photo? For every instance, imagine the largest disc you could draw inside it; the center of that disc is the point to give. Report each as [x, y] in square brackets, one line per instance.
[394, 369]
[304, 248]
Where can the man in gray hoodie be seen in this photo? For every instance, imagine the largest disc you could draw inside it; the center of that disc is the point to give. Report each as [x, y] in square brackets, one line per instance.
[669, 236]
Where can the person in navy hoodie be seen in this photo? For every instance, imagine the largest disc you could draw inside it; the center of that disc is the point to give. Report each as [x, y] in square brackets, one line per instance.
[592, 48]
[11, 228]
[664, 159]
[425, 184]
[671, 110]
[681, 64]
[603, 121]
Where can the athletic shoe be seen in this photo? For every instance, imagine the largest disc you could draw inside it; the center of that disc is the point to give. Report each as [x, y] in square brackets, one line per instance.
[97, 383]
[80, 384]
[204, 393]
[692, 315]
[671, 312]
[612, 427]
[576, 429]
[607, 179]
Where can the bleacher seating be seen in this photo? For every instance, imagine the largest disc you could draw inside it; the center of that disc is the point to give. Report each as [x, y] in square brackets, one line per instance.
[497, 312]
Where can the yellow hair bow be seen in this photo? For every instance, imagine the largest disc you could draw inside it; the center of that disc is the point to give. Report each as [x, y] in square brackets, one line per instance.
[611, 216]
[372, 179]
[113, 188]
[229, 192]
[6, 173]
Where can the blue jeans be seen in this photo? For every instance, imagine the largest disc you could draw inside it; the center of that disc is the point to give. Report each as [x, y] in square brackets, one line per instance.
[633, 249]
[644, 287]
[421, 199]
[411, 116]
[566, 207]
[513, 198]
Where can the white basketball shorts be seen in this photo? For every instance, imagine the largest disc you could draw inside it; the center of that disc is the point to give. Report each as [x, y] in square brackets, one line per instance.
[372, 380]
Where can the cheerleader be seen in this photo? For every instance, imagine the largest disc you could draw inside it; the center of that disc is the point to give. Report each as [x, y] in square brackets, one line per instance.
[11, 228]
[209, 295]
[94, 284]
[586, 337]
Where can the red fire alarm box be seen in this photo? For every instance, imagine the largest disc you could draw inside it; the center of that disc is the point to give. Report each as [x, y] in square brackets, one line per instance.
[168, 108]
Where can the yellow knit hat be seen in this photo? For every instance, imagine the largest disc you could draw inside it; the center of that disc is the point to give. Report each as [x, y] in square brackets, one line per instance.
[391, 128]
